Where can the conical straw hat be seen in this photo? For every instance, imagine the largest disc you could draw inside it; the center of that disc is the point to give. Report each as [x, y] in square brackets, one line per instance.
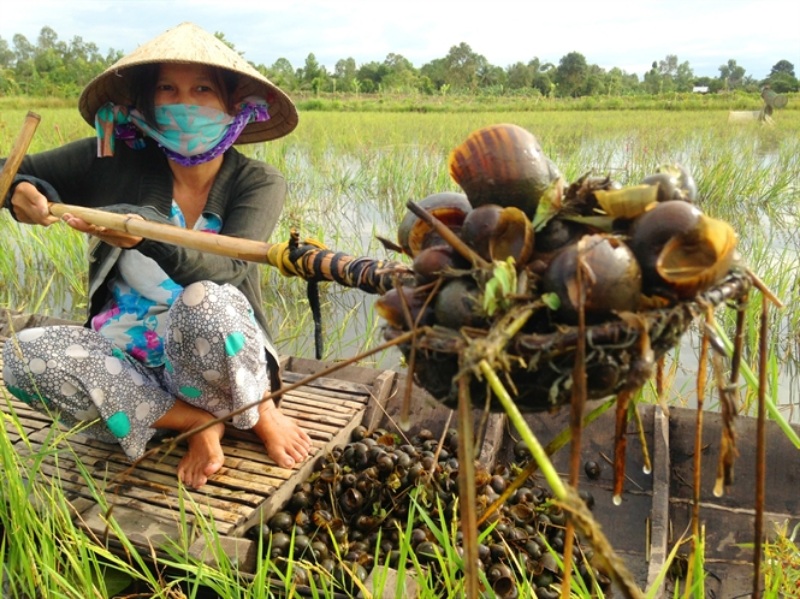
[189, 43]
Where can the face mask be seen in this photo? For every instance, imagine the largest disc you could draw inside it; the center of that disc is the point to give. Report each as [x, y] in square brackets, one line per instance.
[186, 130]
[188, 135]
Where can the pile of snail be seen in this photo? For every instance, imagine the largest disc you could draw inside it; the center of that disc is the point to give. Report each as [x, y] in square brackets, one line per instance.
[365, 499]
[519, 237]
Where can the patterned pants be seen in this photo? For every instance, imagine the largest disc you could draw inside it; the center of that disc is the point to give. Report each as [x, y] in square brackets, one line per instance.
[215, 359]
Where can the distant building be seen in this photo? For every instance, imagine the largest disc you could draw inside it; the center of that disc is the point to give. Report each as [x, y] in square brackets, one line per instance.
[700, 89]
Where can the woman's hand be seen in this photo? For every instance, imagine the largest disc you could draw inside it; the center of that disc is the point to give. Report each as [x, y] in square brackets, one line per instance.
[119, 239]
[30, 206]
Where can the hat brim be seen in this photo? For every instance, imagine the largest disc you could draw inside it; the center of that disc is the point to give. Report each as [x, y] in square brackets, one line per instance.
[188, 43]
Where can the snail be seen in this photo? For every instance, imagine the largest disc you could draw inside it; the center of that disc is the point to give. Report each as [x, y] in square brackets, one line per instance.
[459, 304]
[414, 234]
[682, 252]
[611, 279]
[496, 233]
[503, 164]
[436, 261]
[669, 182]
[404, 306]
[674, 182]
[692, 262]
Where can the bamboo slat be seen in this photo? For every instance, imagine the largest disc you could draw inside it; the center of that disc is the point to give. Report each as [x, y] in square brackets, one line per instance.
[147, 501]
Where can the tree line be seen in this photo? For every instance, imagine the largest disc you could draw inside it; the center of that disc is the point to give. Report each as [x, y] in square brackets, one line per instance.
[52, 67]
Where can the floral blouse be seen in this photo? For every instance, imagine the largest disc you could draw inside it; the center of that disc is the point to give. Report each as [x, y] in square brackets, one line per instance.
[134, 319]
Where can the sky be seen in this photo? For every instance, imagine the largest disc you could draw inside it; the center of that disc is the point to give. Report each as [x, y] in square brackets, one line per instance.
[630, 35]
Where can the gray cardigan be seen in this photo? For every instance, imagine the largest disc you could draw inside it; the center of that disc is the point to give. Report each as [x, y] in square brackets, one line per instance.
[247, 195]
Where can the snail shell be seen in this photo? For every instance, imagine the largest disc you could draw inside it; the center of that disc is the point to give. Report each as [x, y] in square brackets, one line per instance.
[669, 182]
[682, 252]
[611, 280]
[459, 304]
[496, 233]
[674, 182]
[435, 261]
[652, 230]
[392, 307]
[503, 164]
[450, 208]
[692, 262]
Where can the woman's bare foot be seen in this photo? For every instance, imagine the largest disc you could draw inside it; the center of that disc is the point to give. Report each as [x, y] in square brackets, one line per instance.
[287, 444]
[204, 456]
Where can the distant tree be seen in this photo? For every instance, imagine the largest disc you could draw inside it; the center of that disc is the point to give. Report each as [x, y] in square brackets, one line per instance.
[620, 83]
[282, 74]
[731, 75]
[436, 73]
[543, 74]
[653, 82]
[8, 83]
[534, 74]
[23, 49]
[462, 66]
[491, 77]
[312, 74]
[571, 74]
[519, 76]
[595, 84]
[344, 74]
[703, 81]
[669, 75]
[400, 74]
[371, 76]
[782, 78]
[684, 77]
[782, 66]
[6, 54]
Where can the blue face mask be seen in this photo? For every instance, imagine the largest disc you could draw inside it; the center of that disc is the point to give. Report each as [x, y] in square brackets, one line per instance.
[188, 134]
[184, 129]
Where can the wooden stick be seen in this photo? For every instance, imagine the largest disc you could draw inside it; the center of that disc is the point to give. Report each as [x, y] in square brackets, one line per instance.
[17, 153]
[223, 245]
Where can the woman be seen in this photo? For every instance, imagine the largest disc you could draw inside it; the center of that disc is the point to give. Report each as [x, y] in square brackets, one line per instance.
[175, 337]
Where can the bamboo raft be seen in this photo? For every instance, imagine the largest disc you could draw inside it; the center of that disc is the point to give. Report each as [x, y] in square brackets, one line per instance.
[147, 502]
[152, 511]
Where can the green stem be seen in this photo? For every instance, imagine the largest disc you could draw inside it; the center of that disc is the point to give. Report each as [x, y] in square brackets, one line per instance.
[515, 417]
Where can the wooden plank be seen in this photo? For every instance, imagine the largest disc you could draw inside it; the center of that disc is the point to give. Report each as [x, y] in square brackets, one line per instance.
[301, 394]
[659, 517]
[145, 533]
[281, 495]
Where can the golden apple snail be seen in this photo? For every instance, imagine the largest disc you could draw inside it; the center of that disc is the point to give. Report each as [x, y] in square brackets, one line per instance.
[610, 277]
[399, 305]
[692, 262]
[437, 261]
[459, 304]
[503, 164]
[450, 208]
[497, 233]
[682, 252]
[674, 182]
